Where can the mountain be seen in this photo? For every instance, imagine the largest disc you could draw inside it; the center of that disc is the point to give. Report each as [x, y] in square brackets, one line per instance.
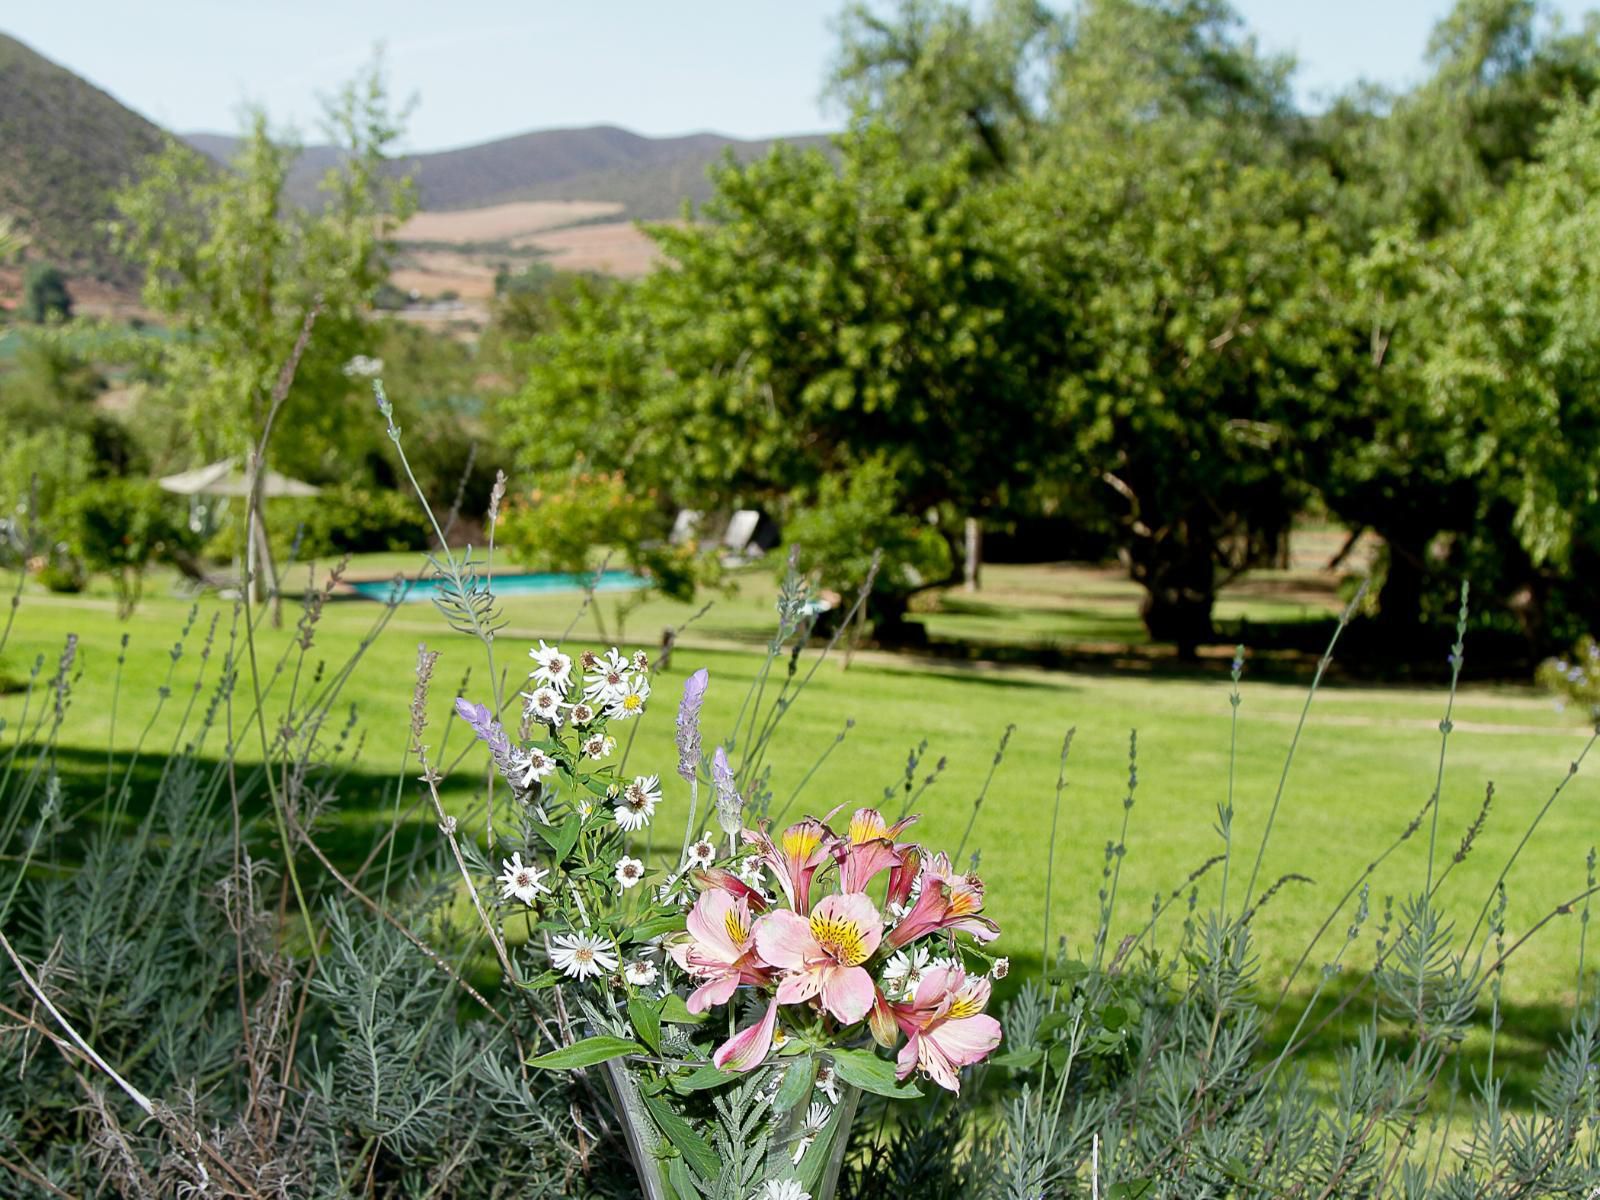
[650, 177]
[65, 146]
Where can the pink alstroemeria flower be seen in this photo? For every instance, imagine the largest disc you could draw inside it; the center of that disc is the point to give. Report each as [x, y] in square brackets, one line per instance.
[706, 879]
[747, 1049]
[802, 849]
[948, 901]
[719, 950]
[822, 956]
[868, 849]
[903, 875]
[947, 1027]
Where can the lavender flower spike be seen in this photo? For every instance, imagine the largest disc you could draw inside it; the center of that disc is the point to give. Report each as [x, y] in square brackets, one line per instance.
[481, 720]
[694, 695]
[730, 807]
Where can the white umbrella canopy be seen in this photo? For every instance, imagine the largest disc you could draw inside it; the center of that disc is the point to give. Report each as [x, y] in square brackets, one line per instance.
[227, 478]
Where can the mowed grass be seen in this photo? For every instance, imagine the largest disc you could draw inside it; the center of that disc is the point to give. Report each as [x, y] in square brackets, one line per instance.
[1365, 765]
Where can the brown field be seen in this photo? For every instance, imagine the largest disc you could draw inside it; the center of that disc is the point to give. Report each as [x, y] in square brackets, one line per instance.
[612, 248]
[510, 235]
[433, 272]
[503, 222]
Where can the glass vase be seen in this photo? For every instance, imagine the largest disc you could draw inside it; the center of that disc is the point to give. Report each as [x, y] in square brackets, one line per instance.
[672, 1138]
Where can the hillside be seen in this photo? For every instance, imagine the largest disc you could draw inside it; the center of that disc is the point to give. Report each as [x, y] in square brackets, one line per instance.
[649, 177]
[65, 146]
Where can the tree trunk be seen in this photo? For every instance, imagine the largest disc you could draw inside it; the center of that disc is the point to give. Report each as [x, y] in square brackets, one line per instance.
[889, 624]
[972, 556]
[1404, 580]
[1178, 573]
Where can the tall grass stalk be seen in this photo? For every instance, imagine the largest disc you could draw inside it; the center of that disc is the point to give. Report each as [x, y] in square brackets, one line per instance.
[1294, 742]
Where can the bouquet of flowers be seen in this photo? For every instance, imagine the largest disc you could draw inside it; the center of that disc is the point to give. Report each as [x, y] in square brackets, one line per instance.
[732, 989]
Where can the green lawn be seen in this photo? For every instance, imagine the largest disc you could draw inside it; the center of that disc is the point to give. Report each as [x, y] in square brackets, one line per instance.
[1365, 764]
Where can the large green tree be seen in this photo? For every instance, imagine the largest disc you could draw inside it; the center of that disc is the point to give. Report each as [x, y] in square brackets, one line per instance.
[1183, 248]
[817, 318]
[235, 267]
[1423, 206]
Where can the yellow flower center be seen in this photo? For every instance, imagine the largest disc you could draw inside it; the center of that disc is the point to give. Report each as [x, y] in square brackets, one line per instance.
[630, 702]
[738, 931]
[842, 939]
[964, 1005]
[864, 829]
[800, 842]
[964, 900]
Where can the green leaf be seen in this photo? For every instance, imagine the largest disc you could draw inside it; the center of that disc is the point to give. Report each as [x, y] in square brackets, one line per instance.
[646, 1023]
[678, 1131]
[548, 979]
[654, 927]
[1051, 1022]
[567, 836]
[550, 833]
[1113, 1016]
[1018, 1060]
[586, 1053]
[796, 1085]
[682, 1182]
[865, 1070]
[705, 1077]
[675, 1012]
[1129, 1189]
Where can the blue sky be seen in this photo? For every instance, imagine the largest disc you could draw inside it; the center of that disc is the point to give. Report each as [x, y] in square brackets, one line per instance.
[481, 69]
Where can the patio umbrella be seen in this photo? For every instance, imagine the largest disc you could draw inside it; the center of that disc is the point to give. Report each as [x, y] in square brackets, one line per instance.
[228, 478]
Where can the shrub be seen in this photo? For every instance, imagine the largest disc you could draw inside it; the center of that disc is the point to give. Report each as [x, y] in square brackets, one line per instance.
[61, 573]
[566, 525]
[40, 470]
[570, 525]
[352, 520]
[122, 526]
[44, 295]
[343, 519]
[857, 519]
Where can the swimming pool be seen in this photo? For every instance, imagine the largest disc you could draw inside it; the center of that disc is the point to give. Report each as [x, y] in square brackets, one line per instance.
[517, 583]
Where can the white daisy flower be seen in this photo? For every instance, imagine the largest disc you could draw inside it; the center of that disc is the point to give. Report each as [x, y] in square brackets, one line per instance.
[599, 746]
[582, 713]
[544, 704]
[1000, 968]
[947, 962]
[640, 972]
[535, 764]
[638, 802]
[552, 667]
[582, 955]
[904, 971]
[629, 702]
[522, 881]
[750, 870]
[641, 661]
[630, 872]
[644, 790]
[607, 679]
[827, 1084]
[702, 853]
[811, 1129]
[782, 1189]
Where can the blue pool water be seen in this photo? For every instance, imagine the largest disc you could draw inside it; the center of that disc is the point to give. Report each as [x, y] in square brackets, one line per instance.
[518, 584]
